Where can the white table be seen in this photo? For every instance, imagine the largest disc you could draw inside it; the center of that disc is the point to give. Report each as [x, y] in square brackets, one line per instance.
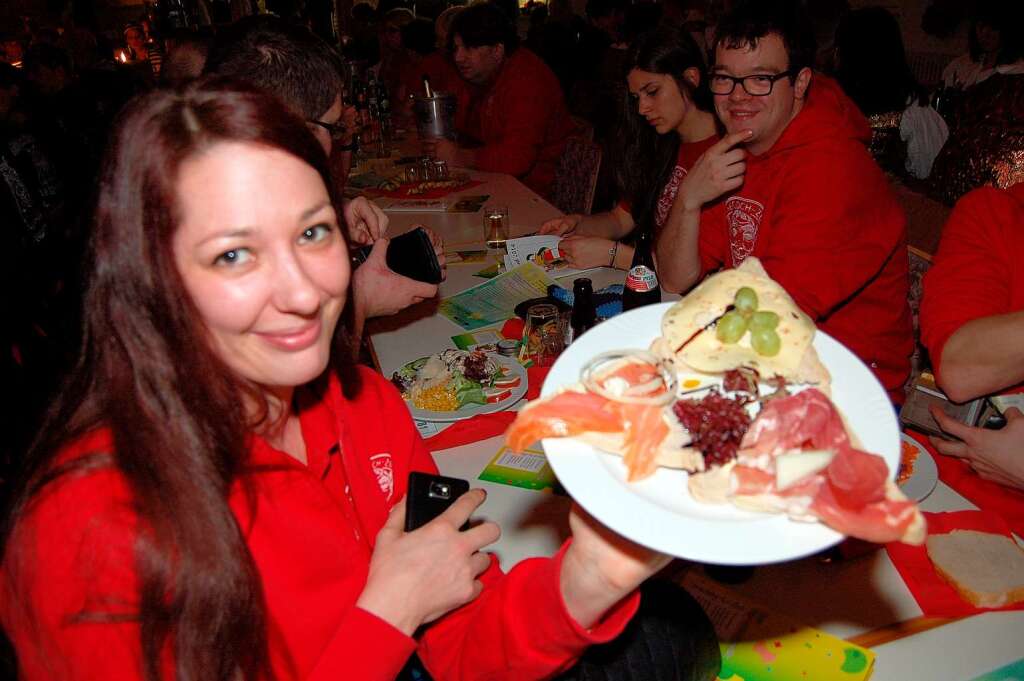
[845, 598]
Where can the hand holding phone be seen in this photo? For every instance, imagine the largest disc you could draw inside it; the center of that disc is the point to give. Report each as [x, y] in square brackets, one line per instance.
[410, 255]
[416, 577]
[429, 496]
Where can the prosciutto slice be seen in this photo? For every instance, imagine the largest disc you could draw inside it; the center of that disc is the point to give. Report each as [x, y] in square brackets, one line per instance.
[853, 494]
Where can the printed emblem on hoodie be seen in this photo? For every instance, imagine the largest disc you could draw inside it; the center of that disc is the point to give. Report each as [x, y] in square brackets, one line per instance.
[381, 464]
[743, 218]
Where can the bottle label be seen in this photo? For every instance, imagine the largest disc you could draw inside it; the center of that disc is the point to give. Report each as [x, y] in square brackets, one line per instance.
[641, 279]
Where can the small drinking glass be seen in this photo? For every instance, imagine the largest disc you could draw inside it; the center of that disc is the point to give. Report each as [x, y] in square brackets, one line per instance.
[544, 334]
[496, 228]
[440, 170]
[412, 174]
[427, 169]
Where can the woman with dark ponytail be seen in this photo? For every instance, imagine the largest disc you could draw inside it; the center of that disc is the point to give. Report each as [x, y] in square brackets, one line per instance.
[667, 122]
[219, 491]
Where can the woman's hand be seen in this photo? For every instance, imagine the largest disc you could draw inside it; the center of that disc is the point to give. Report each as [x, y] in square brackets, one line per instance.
[720, 169]
[996, 455]
[600, 568]
[561, 226]
[584, 252]
[416, 577]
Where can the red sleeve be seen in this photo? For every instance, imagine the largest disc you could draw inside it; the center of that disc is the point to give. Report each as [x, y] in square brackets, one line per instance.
[69, 565]
[518, 628]
[524, 114]
[970, 277]
[834, 225]
[712, 242]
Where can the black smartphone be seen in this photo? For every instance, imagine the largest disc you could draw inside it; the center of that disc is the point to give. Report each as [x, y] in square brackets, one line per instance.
[429, 496]
[411, 255]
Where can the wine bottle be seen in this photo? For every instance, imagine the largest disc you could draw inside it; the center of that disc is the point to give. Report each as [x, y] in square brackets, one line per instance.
[584, 315]
[642, 286]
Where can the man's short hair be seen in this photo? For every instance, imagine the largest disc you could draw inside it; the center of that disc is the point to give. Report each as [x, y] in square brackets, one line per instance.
[282, 58]
[751, 20]
[484, 24]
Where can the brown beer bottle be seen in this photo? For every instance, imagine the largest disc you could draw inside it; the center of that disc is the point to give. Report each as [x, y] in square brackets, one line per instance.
[642, 287]
[584, 315]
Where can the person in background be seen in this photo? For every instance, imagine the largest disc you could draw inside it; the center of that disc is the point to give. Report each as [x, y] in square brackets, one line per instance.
[220, 492]
[972, 322]
[395, 58]
[142, 48]
[792, 183]
[667, 123]
[299, 68]
[516, 120]
[995, 42]
[871, 67]
[439, 68]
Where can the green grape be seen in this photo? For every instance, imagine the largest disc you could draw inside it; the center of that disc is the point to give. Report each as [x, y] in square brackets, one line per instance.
[765, 341]
[746, 301]
[764, 319]
[731, 327]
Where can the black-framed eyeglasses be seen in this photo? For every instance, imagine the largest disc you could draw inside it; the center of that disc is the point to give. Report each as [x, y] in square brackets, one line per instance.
[337, 131]
[758, 85]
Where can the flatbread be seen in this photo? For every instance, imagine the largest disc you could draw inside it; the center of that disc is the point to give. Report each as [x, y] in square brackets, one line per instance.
[796, 361]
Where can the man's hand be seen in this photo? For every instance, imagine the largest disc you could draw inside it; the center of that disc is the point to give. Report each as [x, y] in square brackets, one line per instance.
[379, 291]
[720, 169]
[996, 455]
[561, 226]
[365, 221]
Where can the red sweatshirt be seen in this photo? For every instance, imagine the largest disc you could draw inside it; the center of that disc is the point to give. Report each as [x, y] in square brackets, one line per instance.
[978, 270]
[311, 539]
[521, 120]
[819, 213]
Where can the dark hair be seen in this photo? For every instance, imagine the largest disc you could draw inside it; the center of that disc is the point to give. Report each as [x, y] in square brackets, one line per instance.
[644, 160]
[148, 373]
[873, 67]
[282, 58]
[1004, 17]
[751, 20]
[483, 24]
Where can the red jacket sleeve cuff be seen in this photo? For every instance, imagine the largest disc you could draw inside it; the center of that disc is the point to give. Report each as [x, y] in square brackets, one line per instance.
[613, 622]
[364, 647]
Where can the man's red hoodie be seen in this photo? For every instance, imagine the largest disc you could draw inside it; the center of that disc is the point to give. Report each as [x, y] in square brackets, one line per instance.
[819, 213]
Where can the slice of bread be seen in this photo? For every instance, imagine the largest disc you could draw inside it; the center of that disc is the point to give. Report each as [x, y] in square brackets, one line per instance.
[986, 569]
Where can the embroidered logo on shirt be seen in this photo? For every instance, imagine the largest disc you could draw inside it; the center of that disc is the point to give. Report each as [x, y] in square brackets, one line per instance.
[381, 464]
[743, 218]
[668, 196]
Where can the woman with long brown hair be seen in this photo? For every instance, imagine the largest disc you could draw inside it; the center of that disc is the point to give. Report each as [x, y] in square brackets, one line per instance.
[219, 492]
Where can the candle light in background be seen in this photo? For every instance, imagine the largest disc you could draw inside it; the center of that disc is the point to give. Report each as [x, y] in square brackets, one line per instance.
[122, 56]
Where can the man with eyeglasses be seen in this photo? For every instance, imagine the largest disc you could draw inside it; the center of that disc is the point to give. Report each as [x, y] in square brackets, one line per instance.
[303, 71]
[793, 184]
